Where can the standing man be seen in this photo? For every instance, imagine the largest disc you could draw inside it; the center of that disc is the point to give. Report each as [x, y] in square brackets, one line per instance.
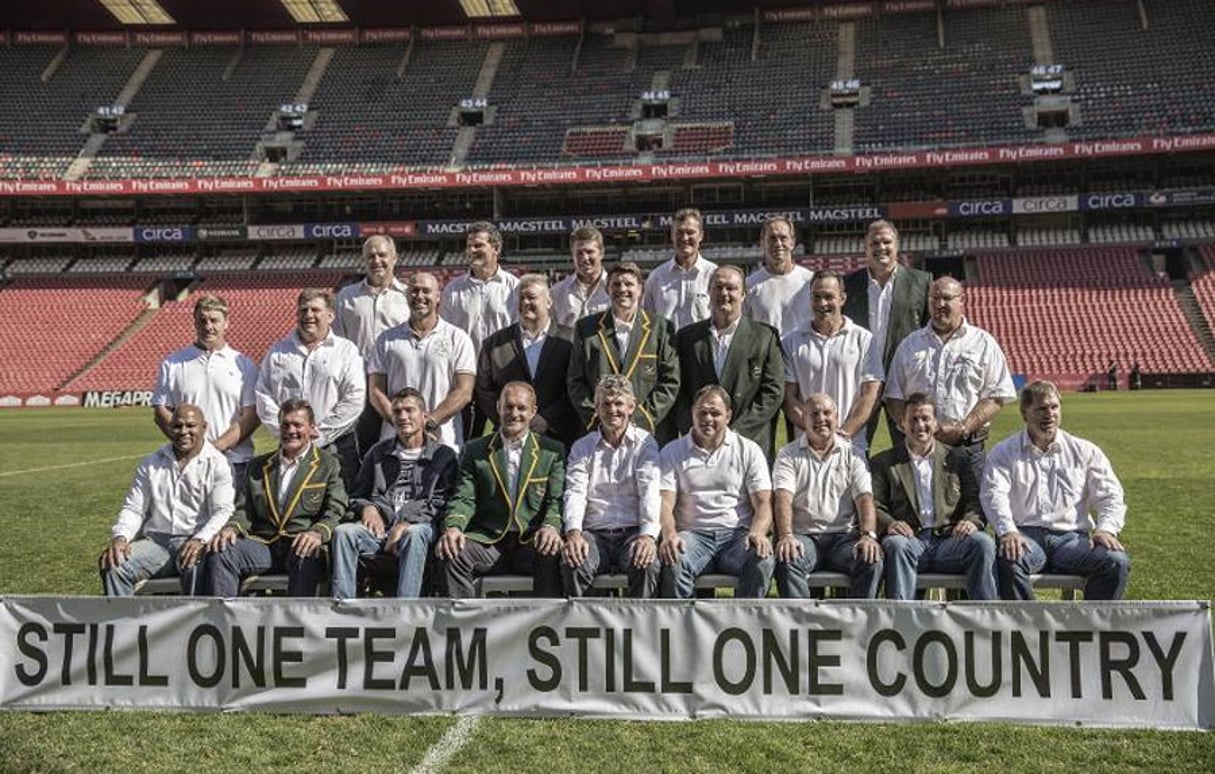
[612, 502]
[506, 513]
[534, 350]
[716, 504]
[959, 367]
[585, 291]
[777, 290]
[315, 365]
[927, 502]
[285, 513]
[397, 503]
[481, 301]
[887, 299]
[365, 310]
[1056, 504]
[824, 508]
[430, 355]
[630, 342]
[181, 496]
[678, 290]
[217, 379]
[834, 356]
[738, 353]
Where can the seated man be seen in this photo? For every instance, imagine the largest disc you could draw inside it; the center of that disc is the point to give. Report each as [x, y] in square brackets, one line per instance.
[1039, 488]
[181, 496]
[823, 500]
[397, 501]
[286, 511]
[716, 504]
[928, 503]
[505, 516]
[611, 498]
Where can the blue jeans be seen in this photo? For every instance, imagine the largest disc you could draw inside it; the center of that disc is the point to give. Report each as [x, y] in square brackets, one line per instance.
[251, 557]
[153, 556]
[833, 551]
[717, 550]
[1068, 553]
[353, 541]
[974, 555]
[611, 551]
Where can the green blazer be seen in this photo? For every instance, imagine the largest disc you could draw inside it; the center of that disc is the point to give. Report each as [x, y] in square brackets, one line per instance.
[753, 375]
[908, 305]
[316, 498]
[482, 506]
[650, 363]
[955, 492]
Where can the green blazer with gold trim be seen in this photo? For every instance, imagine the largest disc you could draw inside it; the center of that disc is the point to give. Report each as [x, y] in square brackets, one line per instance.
[955, 493]
[483, 507]
[650, 363]
[316, 498]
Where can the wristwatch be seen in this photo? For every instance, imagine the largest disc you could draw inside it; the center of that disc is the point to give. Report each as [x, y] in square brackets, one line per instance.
[869, 534]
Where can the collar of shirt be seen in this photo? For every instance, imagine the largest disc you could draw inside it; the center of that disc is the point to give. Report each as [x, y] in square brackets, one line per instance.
[586, 291]
[497, 276]
[957, 335]
[632, 435]
[699, 265]
[1030, 449]
[889, 281]
[401, 453]
[726, 443]
[837, 445]
[285, 464]
[926, 456]
[848, 324]
[225, 352]
[723, 333]
[622, 326]
[528, 339]
[513, 445]
[393, 284]
[413, 334]
[328, 341]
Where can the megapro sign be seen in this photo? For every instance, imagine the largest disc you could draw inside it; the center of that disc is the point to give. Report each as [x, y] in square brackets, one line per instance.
[331, 230]
[117, 398]
[164, 233]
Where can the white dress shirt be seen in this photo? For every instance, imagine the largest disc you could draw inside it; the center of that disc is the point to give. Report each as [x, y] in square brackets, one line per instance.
[572, 300]
[1057, 488]
[481, 307]
[623, 331]
[533, 346]
[722, 337]
[221, 383]
[824, 490]
[880, 299]
[362, 315]
[196, 500]
[956, 373]
[679, 295]
[286, 472]
[514, 458]
[922, 468]
[780, 300]
[610, 487]
[330, 377]
[713, 488]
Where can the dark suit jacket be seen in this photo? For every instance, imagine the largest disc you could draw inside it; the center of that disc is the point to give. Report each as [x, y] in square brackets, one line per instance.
[650, 363]
[482, 506]
[429, 485]
[315, 500]
[954, 489]
[753, 375]
[908, 305]
[502, 361]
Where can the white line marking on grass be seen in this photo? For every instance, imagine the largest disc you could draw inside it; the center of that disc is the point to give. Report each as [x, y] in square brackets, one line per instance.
[441, 753]
[49, 468]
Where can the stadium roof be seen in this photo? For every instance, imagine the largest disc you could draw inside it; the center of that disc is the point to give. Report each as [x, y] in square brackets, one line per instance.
[272, 14]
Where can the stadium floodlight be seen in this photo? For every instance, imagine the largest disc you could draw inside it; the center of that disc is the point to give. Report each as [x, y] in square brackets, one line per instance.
[476, 9]
[315, 11]
[138, 12]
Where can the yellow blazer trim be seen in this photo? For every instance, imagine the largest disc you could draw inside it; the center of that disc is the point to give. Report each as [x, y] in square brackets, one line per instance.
[523, 480]
[646, 329]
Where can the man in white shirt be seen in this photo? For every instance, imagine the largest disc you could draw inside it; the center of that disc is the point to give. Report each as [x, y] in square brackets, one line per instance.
[1056, 504]
[777, 290]
[611, 498]
[835, 356]
[366, 309]
[314, 364]
[584, 291]
[824, 508]
[956, 364]
[429, 354]
[180, 498]
[217, 379]
[716, 504]
[678, 290]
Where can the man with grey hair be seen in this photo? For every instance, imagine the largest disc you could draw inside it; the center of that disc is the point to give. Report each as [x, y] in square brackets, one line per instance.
[611, 498]
[584, 291]
[534, 350]
[1056, 504]
[777, 292]
[678, 290]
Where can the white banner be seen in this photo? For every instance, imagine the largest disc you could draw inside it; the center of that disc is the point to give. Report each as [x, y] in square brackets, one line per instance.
[1145, 664]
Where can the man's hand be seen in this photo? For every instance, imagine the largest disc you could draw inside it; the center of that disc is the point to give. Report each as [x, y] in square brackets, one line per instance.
[1013, 546]
[450, 544]
[789, 548]
[761, 543]
[190, 553]
[548, 541]
[900, 528]
[575, 551]
[117, 552]
[371, 519]
[671, 547]
[963, 528]
[226, 537]
[952, 433]
[645, 549]
[393, 544]
[868, 549]
[307, 544]
[1106, 539]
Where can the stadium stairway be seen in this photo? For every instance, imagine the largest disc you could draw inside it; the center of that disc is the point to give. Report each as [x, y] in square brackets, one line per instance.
[133, 328]
[1187, 299]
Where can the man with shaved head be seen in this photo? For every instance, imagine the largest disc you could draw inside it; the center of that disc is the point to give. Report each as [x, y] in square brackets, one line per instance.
[181, 496]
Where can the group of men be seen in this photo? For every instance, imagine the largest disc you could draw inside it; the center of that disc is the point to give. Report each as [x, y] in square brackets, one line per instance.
[634, 430]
